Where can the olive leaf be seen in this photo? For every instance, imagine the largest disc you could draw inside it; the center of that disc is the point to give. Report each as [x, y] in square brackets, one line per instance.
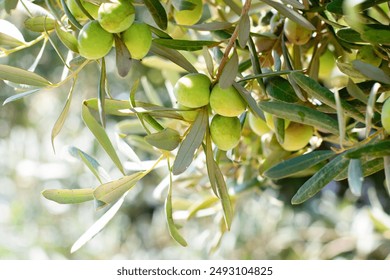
[301, 114]
[376, 149]
[122, 57]
[280, 89]
[100, 135]
[158, 13]
[371, 72]
[186, 45]
[369, 167]
[294, 165]
[40, 24]
[191, 142]
[68, 39]
[244, 30]
[355, 176]
[68, 196]
[319, 180]
[110, 192]
[21, 76]
[167, 139]
[229, 72]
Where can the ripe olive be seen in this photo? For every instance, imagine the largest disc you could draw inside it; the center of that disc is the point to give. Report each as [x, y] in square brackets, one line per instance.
[193, 90]
[138, 39]
[227, 102]
[116, 16]
[94, 42]
[225, 132]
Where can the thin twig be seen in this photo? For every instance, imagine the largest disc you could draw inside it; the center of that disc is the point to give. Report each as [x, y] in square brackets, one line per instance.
[225, 58]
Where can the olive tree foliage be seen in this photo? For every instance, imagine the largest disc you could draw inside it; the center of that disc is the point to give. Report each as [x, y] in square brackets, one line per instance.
[313, 75]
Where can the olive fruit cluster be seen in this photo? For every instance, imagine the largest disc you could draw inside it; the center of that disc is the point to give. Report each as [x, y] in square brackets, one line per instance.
[114, 18]
[194, 91]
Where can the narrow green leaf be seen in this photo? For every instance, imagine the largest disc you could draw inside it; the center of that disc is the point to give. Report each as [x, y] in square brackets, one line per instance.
[255, 63]
[40, 24]
[159, 33]
[70, 16]
[279, 128]
[100, 135]
[185, 45]
[244, 29]
[210, 162]
[371, 72]
[175, 234]
[349, 70]
[123, 57]
[209, 61]
[340, 117]
[349, 35]
[224, 196]
[174, 56]
[376, 149]
[68, 39]
[102, 93]
[110, 192]
[376, 34]
[158, 13]
[97, 226]
[319, 180]
[21, 76]
[324, 95]
[369, 167]
[280, 89]
[21, 95]
[190, 143]
[355, 176]
[211, 26]
[386, 161]
[371, 107]
[167, 139]
[68, 196]
[62, 117]
[356, 92]
[9, 41]
[294, 165]
[291, 14]
[92, 164]
[267, 75]
[246, 95]
[301, 114]
[229, 73]
[203, 204]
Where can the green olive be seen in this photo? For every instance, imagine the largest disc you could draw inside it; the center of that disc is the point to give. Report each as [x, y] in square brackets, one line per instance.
[295, 33]
[138, 39]
[385, 117]
[78, 13]
[189, 16]
[193, 90]
[94, 42]
[258, 125]
[227, 102]
[297, 136]
[116, 16]
[225, 132]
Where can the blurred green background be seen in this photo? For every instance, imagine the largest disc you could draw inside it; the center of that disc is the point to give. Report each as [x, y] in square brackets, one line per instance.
[335, 225]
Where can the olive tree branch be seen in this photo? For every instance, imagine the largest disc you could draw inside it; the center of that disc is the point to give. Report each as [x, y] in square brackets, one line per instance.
[225, 58]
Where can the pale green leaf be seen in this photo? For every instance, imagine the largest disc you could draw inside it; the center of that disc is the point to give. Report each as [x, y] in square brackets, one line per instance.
[355, 176]
[244, 29]
[167, 139]
[369, 167]
[386, 161]
[371, 72]
[110, 192]
[229, 72]
[21, 76]
[20, 95]
[68, 39]
[191, 143]
[123, 57]
[68, 196]
[100, 135]
[376, 149]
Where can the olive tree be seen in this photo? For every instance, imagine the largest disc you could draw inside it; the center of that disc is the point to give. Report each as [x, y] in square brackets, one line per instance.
[254, 92]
